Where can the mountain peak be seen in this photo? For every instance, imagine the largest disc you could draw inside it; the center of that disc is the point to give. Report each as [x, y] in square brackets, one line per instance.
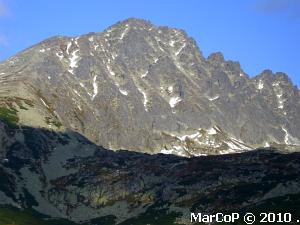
[140, 87]
[132, 22]
[216, 56]
[136, 21]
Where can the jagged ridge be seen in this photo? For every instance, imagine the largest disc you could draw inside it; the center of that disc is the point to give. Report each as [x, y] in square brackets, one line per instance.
[141, 87]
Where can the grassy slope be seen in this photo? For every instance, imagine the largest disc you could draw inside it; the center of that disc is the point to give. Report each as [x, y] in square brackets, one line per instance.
[13, 216]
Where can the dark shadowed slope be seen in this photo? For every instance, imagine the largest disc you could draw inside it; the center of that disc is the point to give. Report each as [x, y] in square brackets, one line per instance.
[62, 174]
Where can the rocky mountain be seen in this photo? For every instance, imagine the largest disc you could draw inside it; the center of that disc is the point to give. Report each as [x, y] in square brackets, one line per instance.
[59, 178]
[67, 102]
[149, 89]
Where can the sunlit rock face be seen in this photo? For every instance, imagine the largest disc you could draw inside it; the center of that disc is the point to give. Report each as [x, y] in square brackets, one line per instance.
[145, 88]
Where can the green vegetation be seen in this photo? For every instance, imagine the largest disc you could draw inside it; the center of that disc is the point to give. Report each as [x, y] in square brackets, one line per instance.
[10, 116]
[155, 218]
[156, 214]
[53, 121]
[14, 216]
[153, 215]
[23, 107]
[10, 216]
[9, 106]
[28, 102]
[106, 220]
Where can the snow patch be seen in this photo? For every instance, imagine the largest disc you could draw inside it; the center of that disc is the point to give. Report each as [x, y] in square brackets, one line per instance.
[286, 137]
[191, 136]
[144, 74]
[124, 32]
[170, 89]
[110, 70]
[280, 101]
[42, 50]
[174, 101]
[76, 92]
[260, 85]
[212, 131]
[214, 98]
[177, 150]
[171, 43]
[145, 98]
[73, 61]
[180, 49]
[158, 41]
[217, 129]
[205, 138]
[279, 94]
[59, 55]
[95, 86]
[289, 139]
[166, 151]
[69, 46]
[236, 145]
[113, 56]
[44, 103]
[123, 92]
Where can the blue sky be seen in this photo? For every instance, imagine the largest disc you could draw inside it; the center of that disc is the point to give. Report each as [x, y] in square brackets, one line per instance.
[259, 33]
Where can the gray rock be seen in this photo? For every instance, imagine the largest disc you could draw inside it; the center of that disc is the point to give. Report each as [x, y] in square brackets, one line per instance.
[140, 87]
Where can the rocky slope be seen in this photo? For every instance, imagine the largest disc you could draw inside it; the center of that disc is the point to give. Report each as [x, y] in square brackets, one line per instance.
[62, 175]
[149, 89]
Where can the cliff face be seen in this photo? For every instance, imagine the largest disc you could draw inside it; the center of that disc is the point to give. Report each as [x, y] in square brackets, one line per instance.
[149, 89]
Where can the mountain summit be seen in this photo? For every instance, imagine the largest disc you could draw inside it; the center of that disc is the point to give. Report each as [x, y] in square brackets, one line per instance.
[144, 88]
